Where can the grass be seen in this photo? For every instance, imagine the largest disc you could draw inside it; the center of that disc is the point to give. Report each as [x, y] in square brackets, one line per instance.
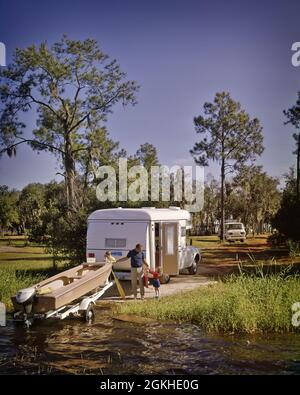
[25, 259]
[17, 241]
[11, 281]
[239, 304]
[21, 267]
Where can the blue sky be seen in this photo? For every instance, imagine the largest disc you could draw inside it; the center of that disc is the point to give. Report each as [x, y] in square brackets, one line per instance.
[181, 53]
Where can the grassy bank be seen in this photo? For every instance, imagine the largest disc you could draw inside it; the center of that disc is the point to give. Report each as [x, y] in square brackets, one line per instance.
[239, 304]
[22, 266]
[11, 281]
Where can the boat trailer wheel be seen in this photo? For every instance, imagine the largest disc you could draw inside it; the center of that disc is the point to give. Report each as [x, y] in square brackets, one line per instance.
[89, 314]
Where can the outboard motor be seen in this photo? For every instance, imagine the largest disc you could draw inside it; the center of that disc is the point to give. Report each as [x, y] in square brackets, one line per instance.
[25, 297]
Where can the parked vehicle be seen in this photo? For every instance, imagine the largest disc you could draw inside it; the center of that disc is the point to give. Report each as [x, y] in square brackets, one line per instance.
[162, 232]
[235, 231]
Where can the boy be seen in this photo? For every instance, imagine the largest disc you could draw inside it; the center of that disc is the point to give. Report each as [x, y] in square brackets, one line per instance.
[156, 282]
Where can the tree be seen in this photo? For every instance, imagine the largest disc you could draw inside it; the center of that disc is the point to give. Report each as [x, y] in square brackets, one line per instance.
[287, 219]
[205, 220]
[230, 137]
[70, 88]
[30, 205]
[63, 235]
[255, 198]
[293, 117]
[103, 151]
[9, 218]
[147, 156]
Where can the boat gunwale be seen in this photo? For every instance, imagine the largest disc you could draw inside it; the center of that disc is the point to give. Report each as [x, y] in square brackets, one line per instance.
[61, 291]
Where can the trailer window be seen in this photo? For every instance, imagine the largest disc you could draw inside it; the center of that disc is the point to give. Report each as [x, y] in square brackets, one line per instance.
[170, 239]
[115, 243]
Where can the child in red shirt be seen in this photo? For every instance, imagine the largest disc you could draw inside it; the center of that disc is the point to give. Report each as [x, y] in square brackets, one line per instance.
[156, 283]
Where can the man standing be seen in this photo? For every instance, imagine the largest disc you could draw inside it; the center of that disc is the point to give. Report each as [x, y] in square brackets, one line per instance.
[137, 259]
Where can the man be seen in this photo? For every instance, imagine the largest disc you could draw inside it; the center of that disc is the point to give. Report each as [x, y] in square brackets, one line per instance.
[137, 259]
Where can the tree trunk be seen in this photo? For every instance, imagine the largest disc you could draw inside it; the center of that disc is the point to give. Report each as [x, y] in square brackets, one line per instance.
[222, 225]
[69, 174]
[70, 177]
[298, 166]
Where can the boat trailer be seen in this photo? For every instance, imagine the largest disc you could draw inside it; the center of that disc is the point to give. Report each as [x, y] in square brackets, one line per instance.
[82, 307]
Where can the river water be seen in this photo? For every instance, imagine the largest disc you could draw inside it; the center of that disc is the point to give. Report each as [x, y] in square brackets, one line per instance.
[109, 346]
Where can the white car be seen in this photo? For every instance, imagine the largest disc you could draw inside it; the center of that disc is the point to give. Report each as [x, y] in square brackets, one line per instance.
[235, 231]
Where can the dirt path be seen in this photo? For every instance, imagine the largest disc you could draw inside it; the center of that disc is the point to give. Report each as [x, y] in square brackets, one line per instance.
[221, 259]
[177, 285]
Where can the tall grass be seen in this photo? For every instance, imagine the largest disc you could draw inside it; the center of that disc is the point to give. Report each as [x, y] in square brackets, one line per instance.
[11, 281]
[244, 303]
[294, 249]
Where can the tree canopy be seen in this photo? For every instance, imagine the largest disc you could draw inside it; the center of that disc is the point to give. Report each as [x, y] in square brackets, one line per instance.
[70, 88]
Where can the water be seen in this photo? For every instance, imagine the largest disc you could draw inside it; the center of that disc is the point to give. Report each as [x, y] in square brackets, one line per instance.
[111, 346]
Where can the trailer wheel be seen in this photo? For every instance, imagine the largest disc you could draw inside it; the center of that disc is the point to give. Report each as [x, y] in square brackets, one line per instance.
[164, 278]
[89, 314]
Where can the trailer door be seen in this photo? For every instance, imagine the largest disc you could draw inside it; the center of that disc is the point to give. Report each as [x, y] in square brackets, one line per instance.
[170, 248]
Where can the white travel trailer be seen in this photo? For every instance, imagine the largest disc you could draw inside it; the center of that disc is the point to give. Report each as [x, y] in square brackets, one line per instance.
[162, 232]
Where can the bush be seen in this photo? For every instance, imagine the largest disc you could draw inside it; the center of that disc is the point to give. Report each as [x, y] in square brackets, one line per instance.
[287, 219]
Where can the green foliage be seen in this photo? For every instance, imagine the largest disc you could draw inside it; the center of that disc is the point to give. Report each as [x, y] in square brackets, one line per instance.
[9, 216]
[204, 220]
[293, 114]
[293, 118]
[251, 197]
[12, 281]
[62, 232]
[254, 198]
[70, 87]
[287, 219]
[228, 133]
[30, 205]
[147, 156]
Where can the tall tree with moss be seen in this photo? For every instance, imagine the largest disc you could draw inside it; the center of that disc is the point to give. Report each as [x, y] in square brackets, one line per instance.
[229, 137]
[69, 88]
